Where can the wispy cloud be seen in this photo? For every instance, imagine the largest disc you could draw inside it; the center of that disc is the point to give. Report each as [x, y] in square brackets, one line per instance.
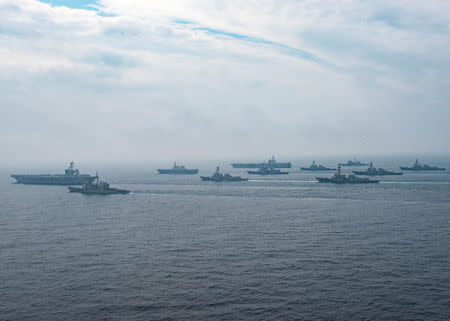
[224, 78]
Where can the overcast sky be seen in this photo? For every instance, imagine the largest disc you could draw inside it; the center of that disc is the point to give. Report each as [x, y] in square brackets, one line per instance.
[211, 79]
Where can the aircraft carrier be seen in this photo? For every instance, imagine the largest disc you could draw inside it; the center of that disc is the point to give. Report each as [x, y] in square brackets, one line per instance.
[71, 176]
[271, 163]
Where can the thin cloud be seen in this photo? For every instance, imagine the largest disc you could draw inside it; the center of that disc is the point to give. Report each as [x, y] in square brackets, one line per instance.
[210, 79]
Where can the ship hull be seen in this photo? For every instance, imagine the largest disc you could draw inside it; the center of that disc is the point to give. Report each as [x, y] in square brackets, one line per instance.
[334, 181]
[317, 170]
[263, 173]
[178, 172]
[421, 169]
[259, 165]
[52, 179]
[97, 192]
[376, 174]
[213, 179]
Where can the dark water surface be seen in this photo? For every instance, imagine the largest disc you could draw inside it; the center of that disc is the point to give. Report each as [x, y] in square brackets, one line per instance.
[273, 248]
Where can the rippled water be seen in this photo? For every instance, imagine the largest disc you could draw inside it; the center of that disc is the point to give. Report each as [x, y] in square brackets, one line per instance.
[275, 248]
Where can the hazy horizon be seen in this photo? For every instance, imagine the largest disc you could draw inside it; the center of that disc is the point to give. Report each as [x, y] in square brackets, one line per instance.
[136, 80]
[56, 166]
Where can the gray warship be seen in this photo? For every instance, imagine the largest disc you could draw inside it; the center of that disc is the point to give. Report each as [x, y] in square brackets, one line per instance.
[317, 168]
[266, 170]
[340, 178]
[418, 167]
[71, 176]
[97, 188]
[271, 163]
[177, 169]
[353, 163]
[219, 177]
[373, 171]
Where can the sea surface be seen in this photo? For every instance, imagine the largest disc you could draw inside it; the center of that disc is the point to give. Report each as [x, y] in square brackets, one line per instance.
[273, 248]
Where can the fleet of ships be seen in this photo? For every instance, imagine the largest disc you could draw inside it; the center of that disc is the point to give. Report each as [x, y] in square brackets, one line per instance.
[87, 184]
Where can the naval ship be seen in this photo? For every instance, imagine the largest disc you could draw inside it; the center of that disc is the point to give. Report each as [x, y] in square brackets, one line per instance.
[419, 167]
[353, 163]
[340, 178]
[71, 176]
[317, 168]
[178, 169]
[219, 177]
[373, 171]
[97, 188]
[265, 170]
[272, 163]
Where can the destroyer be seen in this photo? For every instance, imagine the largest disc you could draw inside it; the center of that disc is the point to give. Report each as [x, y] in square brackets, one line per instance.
[97, 188]
[372, 171]
[272, 163]
[419, 167]
[353, 163]
[317, 168]
[340, 178]
[178, 169]
[219, 177]
[71, 176]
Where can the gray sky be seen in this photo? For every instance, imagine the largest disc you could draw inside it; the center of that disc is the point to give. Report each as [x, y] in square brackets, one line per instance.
[197, 79]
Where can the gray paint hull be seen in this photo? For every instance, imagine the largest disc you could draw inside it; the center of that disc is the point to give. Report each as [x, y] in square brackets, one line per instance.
[52, 179]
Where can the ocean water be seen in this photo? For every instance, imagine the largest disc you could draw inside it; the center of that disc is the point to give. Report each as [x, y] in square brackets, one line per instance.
[273, 248]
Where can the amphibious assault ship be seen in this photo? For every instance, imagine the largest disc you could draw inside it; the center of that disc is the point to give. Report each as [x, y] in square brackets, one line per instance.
[340, 178]
[178, 169]
[419, 167]
[373, 171]
[71, 176]
[317, 168]
[272, 163]
[97, 188]
[353, 163]
[219, 177]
